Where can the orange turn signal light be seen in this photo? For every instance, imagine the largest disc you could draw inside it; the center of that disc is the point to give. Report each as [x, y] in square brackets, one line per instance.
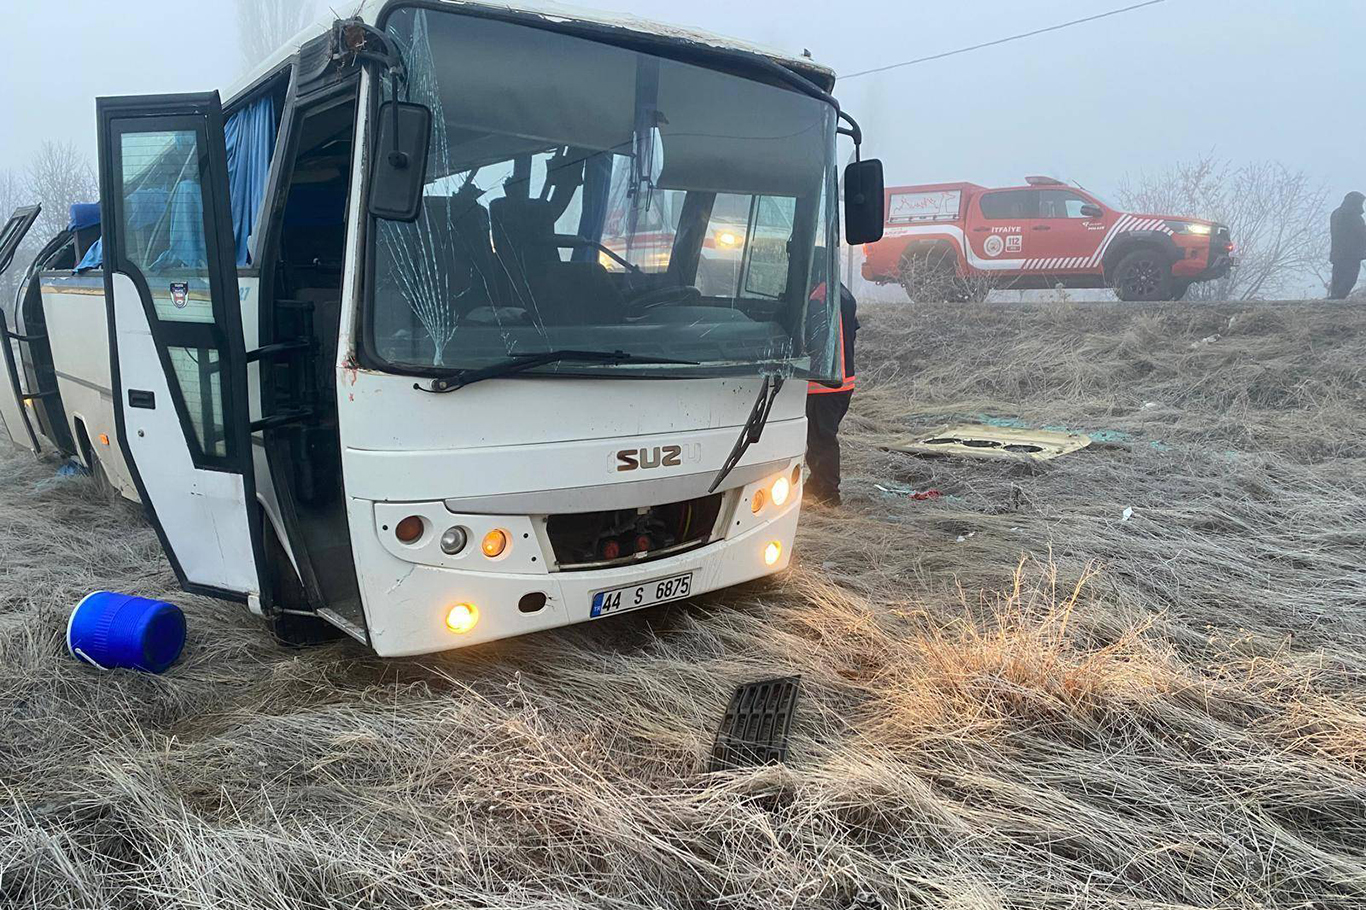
[409, 529]
[495, 543]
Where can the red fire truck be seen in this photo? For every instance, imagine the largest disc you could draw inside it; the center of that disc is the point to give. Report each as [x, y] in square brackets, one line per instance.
[958, 241]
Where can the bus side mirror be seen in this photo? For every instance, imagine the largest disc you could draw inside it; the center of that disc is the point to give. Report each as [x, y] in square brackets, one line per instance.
[398, 169]
[863, 201]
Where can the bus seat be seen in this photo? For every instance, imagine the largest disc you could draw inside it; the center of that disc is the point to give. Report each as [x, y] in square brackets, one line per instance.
[85, 226]
[457, 228]
[554, 291]
[524, 242]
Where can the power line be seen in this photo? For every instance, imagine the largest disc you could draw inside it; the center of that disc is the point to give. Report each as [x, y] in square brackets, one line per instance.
[976, 47]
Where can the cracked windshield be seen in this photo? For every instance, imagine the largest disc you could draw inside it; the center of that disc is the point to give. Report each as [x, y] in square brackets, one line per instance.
[587, 197]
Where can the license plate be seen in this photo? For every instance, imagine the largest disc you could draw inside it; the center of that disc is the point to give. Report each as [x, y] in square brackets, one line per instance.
[645, 594]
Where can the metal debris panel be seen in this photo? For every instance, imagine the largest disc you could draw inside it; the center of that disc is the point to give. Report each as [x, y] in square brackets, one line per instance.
[757, 723]
[982, 441]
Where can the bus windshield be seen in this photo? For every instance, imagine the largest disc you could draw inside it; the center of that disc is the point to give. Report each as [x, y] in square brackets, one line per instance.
[585, 196]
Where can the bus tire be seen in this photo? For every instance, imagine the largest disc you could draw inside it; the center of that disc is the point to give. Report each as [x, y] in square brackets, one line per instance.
[292, 620]
[98, 474]
[303, 630]
[1143, 274]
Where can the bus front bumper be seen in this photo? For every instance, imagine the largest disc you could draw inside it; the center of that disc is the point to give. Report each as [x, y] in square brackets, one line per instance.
[407, 604]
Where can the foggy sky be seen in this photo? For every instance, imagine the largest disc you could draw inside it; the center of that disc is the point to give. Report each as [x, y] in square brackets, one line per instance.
[1248, 79]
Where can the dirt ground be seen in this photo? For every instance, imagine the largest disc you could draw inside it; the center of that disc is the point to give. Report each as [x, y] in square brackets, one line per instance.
[1012, 696]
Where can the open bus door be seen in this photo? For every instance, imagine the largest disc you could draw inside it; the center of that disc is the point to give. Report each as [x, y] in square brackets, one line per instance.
[175, 335]
[12, 410]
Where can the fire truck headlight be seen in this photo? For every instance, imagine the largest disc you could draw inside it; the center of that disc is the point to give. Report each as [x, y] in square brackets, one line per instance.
[727, 238]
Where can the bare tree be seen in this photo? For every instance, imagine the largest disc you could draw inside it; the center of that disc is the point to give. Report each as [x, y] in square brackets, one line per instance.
[58, 176]
[13, 194]
[265, 25]
[1278, 218]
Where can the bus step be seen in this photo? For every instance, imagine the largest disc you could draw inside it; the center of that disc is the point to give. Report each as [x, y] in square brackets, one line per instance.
[757, 723]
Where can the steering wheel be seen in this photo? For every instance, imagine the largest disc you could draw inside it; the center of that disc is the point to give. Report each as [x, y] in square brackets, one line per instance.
[687, 295]
[572, 240]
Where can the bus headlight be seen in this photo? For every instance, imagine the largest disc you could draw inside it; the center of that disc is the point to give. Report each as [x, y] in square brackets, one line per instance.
[772, 553]
[462, 618]
[781, 487]
[727, 238]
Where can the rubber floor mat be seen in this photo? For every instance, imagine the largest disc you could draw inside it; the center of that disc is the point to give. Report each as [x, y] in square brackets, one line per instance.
[978, 441]
[757, 723]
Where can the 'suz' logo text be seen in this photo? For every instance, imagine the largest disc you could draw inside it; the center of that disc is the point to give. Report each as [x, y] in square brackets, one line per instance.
[656, 457]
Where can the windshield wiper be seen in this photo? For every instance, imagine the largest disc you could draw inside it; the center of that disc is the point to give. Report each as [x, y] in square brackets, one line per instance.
[753, 428]
[520, 363]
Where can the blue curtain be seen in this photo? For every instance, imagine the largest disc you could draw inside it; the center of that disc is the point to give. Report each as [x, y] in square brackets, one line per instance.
[250, 138]
[185, 249]
[94, 257]
[597, 181]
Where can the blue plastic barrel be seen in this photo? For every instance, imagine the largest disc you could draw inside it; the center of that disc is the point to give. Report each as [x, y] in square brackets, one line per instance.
[109, 630]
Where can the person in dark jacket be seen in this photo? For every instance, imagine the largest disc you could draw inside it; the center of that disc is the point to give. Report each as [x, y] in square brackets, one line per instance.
[825, 408]
[1348, 231]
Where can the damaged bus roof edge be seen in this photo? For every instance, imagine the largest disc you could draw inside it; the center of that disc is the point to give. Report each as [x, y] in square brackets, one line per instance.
[550, 12]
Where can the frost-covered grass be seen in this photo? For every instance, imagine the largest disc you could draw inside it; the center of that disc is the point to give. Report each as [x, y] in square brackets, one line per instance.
[1062, 710]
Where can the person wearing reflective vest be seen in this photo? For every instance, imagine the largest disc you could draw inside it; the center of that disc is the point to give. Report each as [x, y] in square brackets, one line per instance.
[826, 407]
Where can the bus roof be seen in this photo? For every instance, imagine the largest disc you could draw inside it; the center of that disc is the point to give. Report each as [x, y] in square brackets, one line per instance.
[558, 14]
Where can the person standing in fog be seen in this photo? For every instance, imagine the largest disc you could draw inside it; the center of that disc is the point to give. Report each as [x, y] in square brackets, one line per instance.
[1348, 232]
[826, 407]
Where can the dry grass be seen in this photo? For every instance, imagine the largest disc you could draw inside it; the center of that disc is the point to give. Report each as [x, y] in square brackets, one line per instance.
[1062, 710]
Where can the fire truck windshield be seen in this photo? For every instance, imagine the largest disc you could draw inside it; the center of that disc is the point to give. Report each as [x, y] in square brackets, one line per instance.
[585, 196]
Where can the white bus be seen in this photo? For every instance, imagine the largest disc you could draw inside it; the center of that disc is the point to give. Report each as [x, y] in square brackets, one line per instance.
[349, 338]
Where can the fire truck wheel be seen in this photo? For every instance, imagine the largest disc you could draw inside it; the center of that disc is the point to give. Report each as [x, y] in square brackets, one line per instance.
[929, 276]
[1143, 274]
[973, 290]
[1179, 289]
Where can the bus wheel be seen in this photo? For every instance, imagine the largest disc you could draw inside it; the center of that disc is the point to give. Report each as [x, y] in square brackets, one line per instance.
[98, 474]
[1143, 274]
[303, 630]
[292, 621]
